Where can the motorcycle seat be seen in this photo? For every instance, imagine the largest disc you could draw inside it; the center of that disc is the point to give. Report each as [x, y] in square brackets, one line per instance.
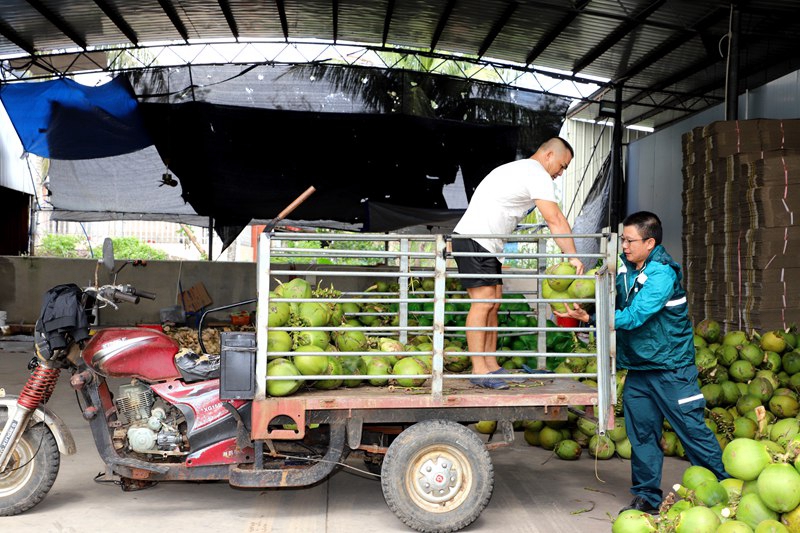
[197, 367]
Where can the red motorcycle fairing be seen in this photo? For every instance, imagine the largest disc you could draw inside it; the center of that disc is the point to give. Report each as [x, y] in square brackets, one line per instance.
[220, 453]
[211, 429]
[132, 352]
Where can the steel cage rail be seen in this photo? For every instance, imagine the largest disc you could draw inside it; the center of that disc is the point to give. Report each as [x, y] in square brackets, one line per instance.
[433, 265]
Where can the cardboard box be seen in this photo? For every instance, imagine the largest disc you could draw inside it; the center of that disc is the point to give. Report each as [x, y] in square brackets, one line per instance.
[195, 298]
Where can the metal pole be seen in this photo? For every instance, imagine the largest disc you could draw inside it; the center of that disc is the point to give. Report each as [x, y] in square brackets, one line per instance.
[617, 189]
[732, 74]
[210, 238]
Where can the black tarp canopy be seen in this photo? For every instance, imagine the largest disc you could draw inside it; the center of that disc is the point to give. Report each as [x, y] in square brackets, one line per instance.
[244, 141]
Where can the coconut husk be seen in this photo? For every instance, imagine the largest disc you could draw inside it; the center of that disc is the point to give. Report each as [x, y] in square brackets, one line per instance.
[187, 337]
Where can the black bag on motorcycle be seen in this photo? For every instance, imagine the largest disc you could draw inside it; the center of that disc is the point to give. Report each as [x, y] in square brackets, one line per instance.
[61, 321]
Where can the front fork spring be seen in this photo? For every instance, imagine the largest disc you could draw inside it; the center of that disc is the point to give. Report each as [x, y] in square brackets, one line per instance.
[40, 386]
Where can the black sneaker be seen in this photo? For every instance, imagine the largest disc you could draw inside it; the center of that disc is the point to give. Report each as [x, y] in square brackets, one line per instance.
[640, 504]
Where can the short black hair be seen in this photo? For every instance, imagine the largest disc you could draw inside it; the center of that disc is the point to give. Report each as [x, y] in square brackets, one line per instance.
[648, 224]
[567, 146]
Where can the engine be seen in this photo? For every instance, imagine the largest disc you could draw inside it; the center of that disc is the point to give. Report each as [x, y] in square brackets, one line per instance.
[144, 427]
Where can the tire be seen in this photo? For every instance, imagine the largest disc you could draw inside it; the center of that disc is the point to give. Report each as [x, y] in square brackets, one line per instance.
[26, 486]
[426, 453]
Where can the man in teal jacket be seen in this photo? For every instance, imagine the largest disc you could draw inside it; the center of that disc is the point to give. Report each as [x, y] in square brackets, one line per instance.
[655, 344]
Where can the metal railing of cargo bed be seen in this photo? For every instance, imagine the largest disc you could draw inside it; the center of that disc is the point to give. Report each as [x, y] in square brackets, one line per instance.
[409, 269]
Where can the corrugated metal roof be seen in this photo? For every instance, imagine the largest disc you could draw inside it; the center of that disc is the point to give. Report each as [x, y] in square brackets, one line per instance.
[669, 55]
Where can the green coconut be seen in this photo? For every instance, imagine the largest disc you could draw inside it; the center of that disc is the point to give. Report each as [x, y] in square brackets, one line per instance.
[734, 526]
[532, 437]
[784, 406]
[618, 433]
[709, 329]
[487, 427]
[694, 475]
[745, 458]
[296, 288]
[726, 354]
[568, 449]
[773, 341]
[744, 427]
[560, 269]
[378, 366]
[601, 447]
[734, 338]
[784, 431]
[312, 337]
[669, 443]
[761, 388]
[751, 352]
[792, 519]
[733, 487]
[279, 341]
[747, 403]
[549, 437]
[790, 362]
[741, 371]
[334, 368]
[771, 526]
[624, 448]
[697, 520]
[633, 521]
[350, 340]
[355, 366]
[409, 366]
[278, 312]
[779, 487]
[310, 365]
[282, 367]
[752, 510]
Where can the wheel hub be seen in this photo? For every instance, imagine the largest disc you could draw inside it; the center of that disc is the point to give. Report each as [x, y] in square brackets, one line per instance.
[439, 479]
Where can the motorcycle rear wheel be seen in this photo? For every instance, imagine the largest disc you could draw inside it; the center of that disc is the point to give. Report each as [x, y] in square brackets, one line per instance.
[31, 471]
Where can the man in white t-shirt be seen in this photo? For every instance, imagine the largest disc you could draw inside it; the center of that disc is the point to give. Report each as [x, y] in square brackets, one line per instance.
[501, 200]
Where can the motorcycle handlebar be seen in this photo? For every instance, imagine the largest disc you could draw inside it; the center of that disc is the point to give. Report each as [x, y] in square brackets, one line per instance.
[145, 294]
[118, 295]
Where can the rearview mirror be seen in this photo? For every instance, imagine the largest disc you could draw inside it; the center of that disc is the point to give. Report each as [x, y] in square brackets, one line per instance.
[108, 254]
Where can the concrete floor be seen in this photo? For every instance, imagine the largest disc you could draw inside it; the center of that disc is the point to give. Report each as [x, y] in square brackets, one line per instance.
[534, 492]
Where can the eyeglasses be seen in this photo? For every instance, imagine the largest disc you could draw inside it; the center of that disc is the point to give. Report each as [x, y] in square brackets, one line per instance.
[624, 240]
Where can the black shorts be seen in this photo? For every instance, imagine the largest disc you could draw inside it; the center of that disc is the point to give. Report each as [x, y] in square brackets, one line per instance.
[476, 265]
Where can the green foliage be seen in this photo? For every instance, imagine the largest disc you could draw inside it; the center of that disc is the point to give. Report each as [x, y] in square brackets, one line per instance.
[133, 248]
[333, 245]
[54, 245]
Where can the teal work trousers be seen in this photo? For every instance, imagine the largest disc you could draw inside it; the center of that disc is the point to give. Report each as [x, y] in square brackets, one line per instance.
[649, 397]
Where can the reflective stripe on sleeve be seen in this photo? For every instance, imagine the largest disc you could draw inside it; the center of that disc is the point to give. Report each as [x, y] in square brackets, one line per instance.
[690, 399]
[673, 303]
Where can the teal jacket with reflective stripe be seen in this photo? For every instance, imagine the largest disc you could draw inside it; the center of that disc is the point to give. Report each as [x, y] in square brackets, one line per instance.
[651, 318]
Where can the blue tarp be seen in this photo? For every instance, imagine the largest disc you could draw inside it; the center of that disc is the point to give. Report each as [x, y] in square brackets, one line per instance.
[62, 119]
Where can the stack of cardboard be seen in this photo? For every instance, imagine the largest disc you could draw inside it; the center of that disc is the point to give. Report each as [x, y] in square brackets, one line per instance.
[741, 212]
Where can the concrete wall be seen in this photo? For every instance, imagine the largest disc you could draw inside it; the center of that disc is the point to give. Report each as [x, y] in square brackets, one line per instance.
[24, 280]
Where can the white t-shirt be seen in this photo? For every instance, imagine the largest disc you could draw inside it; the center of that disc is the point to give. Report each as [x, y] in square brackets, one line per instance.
[503, 198]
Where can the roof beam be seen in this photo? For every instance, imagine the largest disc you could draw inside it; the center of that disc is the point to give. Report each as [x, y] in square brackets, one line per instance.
[448, 10]
[9, 33]
[614, 37]
[172, 13]
[387, 21]
[225, 6]
[115, 17]
[284, 20]
[335, 7]
[556, 31]
[56, 20]
[768, 62]
[497, 28]
[672, 44]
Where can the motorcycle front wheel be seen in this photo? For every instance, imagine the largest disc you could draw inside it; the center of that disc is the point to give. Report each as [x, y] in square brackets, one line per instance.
[31, 471]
